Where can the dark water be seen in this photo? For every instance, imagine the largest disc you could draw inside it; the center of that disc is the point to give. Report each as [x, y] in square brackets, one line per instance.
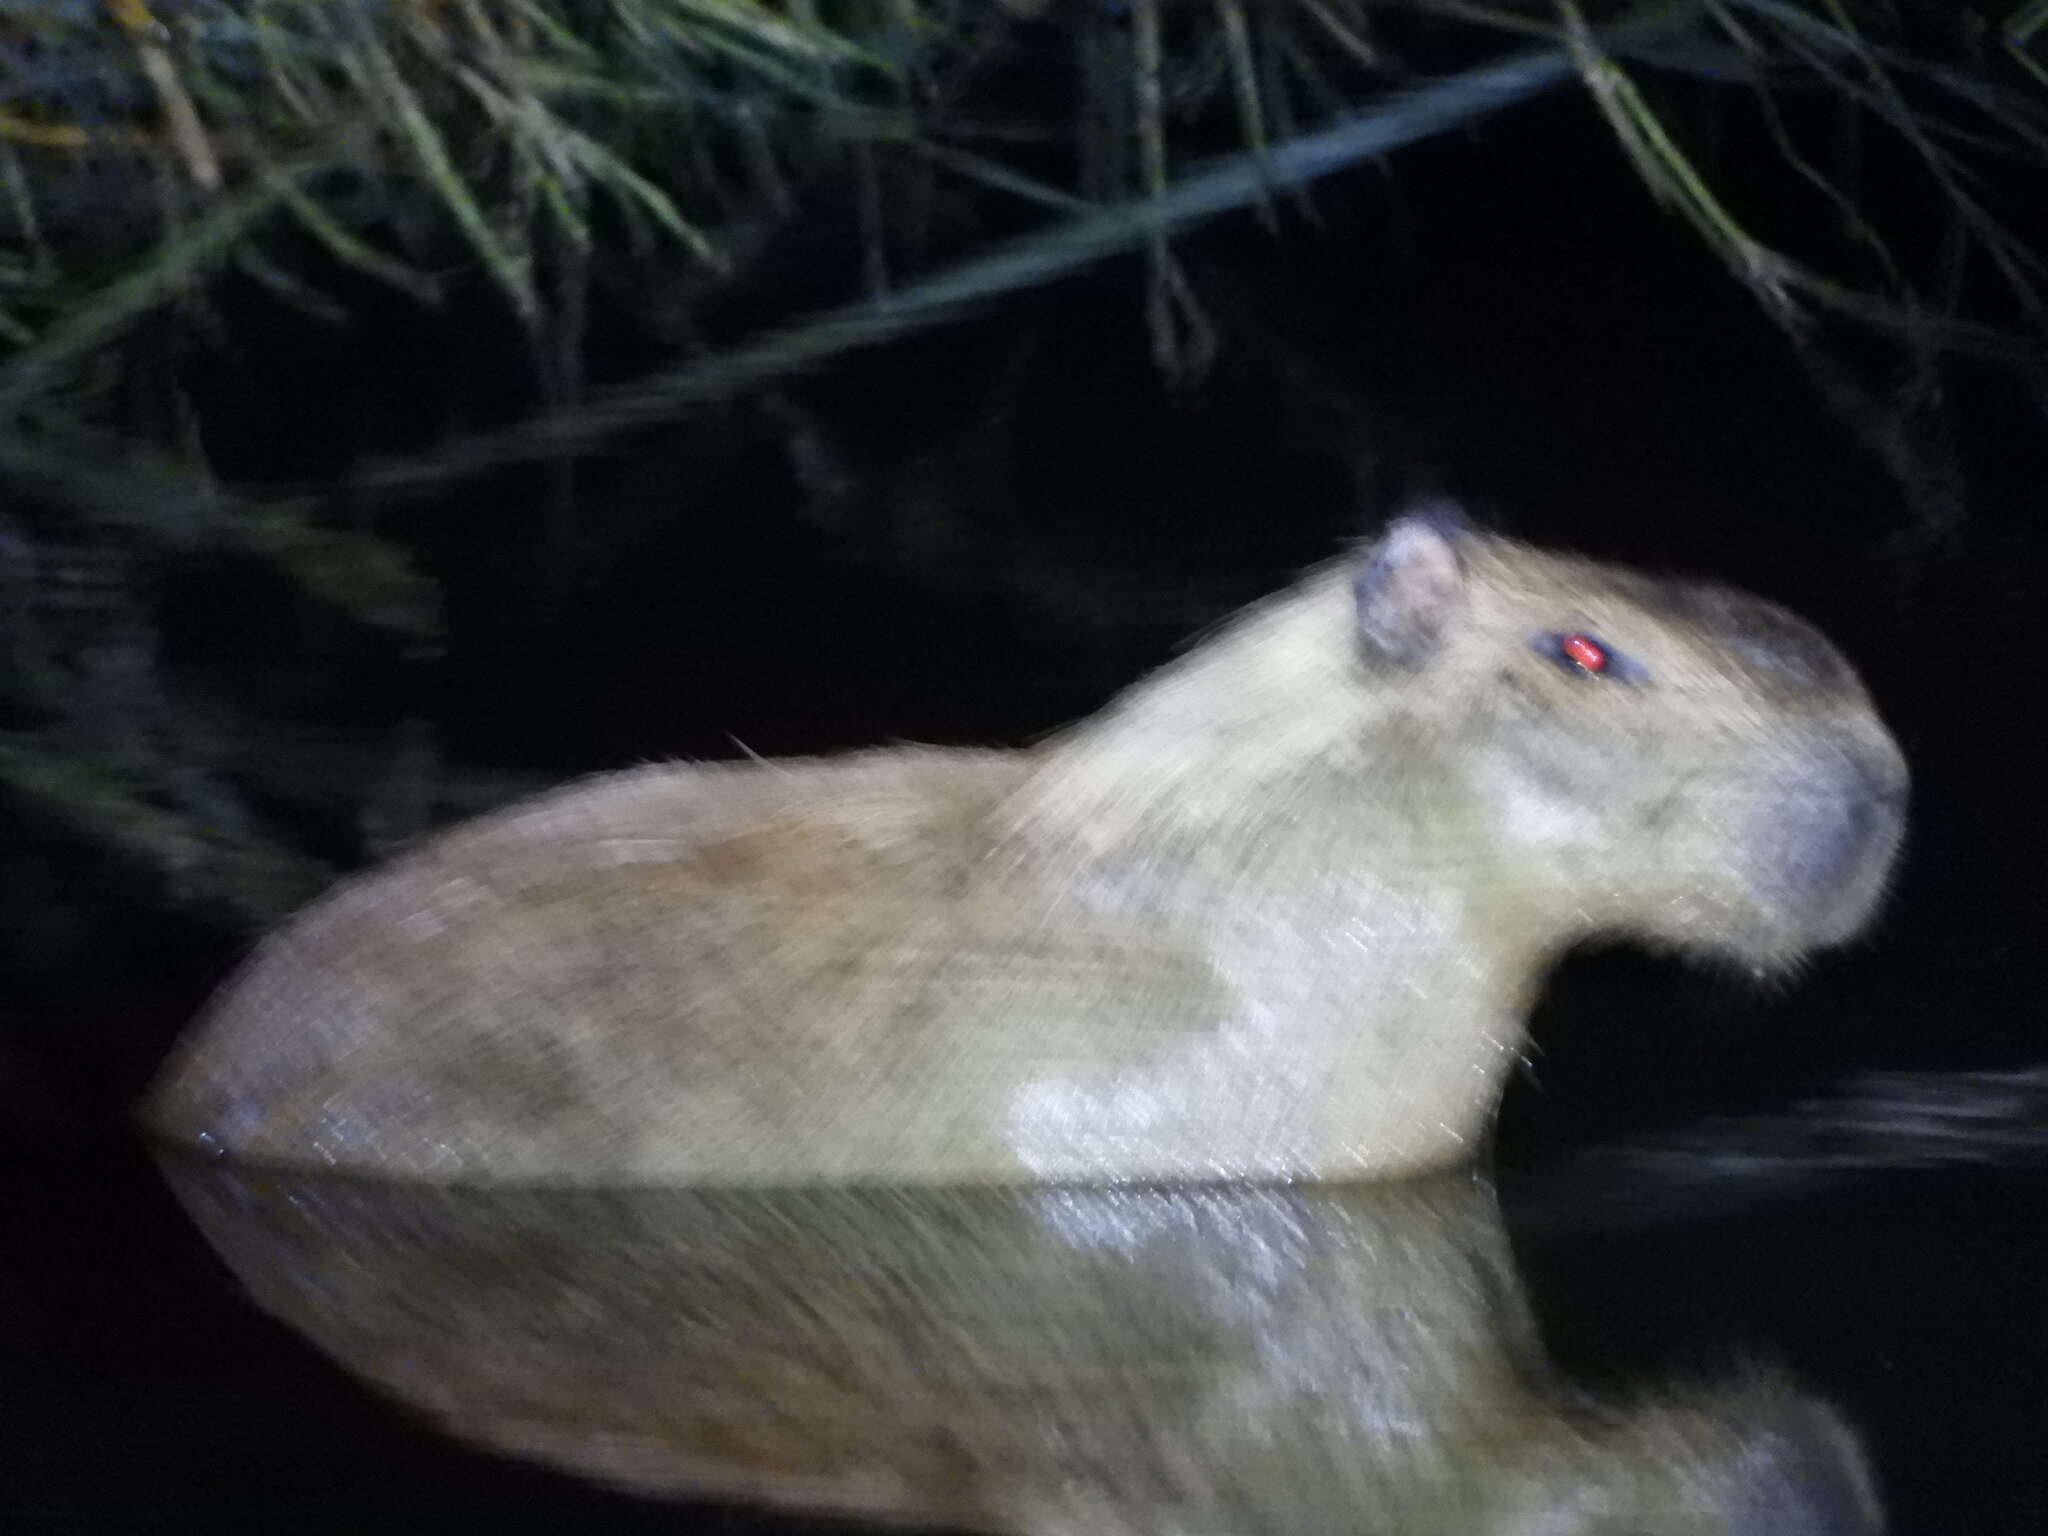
[144, 1391]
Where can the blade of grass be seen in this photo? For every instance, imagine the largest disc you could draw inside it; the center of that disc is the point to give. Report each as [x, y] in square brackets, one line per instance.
[1027, 262]
[166, 268]
[414, 127]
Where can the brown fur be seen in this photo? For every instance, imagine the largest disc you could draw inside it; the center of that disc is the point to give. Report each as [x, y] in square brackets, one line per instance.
[1277, 912]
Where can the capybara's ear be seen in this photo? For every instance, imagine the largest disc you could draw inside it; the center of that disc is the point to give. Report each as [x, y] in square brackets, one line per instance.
[1410, 587]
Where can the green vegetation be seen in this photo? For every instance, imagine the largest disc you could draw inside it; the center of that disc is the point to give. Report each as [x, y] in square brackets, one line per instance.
[524, 159]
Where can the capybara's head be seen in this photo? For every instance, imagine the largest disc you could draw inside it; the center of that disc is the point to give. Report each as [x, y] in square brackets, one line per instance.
[1672, 760]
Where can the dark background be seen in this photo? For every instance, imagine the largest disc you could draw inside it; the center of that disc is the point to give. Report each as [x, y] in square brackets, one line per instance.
[1016, 515]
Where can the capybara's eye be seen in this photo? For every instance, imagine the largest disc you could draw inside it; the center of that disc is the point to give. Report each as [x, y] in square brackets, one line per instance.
[1585, 655]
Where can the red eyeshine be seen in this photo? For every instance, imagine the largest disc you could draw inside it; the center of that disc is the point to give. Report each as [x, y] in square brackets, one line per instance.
[1585, 652]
